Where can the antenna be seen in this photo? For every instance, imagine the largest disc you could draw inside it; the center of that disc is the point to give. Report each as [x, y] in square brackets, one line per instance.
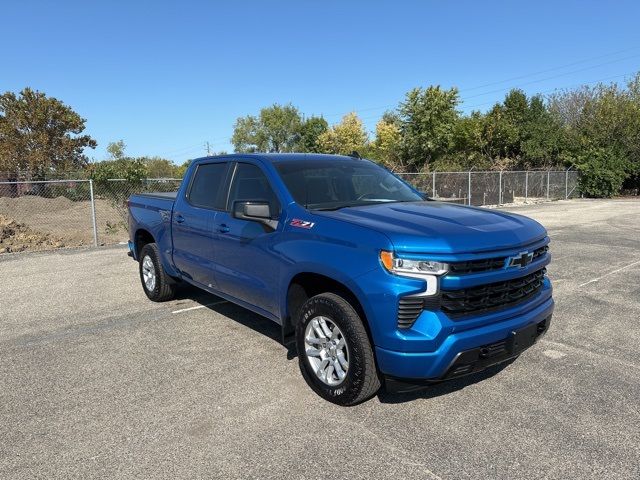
[355, 154]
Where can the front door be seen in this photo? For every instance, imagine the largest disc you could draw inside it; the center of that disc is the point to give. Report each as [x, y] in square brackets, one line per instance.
[246, 263]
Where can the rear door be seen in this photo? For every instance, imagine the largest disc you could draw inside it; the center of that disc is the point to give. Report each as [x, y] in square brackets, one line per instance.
[247, 265]
[193, 220]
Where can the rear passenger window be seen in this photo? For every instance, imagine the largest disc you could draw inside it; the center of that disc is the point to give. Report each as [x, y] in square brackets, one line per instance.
[250, 183]
[206, 188]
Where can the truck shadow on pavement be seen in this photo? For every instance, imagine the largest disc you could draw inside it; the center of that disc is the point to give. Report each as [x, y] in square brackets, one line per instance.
[443, 388]
[236, 313]
[271, 330]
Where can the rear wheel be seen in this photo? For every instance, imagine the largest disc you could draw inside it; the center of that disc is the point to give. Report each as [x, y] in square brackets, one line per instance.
[334, 352]
[157, 285]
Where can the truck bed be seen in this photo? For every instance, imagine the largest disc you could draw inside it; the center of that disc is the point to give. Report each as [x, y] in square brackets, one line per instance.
[161, 195]
[153, 212]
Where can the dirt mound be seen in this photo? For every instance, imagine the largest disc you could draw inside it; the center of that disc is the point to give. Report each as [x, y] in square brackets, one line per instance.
[17, 237]
[35, 203]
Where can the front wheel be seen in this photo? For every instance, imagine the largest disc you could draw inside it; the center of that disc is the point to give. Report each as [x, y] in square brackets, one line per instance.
[334, 352]
[157, 285]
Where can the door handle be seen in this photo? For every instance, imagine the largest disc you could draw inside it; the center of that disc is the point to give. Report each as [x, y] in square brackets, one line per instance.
[223, 228]
[179, 218]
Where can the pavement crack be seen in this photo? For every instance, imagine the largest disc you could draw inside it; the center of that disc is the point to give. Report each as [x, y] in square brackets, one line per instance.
[592, 352]
[400, 454]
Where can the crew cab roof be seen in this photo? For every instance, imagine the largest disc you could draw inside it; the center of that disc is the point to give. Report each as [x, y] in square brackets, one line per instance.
[280, 157]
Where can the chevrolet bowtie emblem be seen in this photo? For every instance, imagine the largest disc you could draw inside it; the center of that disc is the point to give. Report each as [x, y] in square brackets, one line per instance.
[521, 260]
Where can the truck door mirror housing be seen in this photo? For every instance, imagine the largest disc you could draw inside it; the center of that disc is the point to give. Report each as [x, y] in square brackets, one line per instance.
[255, 211]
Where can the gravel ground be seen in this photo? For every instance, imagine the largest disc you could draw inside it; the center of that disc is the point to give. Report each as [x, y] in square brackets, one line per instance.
[98, 382]
[56, 222]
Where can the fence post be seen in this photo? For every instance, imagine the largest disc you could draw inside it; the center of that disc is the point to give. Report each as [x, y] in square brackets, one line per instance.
[433, 188]
[548, 171]
[469, 188]
[500, 189]
[93, 214]
[526, 185]
[566, 184]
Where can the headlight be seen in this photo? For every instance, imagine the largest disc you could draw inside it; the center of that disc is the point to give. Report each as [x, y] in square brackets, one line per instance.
[427, 270]
[412, 268]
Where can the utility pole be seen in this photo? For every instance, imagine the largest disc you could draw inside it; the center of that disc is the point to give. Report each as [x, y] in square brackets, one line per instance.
[208, 149]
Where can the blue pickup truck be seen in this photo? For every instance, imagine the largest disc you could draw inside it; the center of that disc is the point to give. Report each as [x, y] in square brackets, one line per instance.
[374, 282]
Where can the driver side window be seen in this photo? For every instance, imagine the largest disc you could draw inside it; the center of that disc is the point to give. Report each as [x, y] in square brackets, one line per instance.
[250, 183]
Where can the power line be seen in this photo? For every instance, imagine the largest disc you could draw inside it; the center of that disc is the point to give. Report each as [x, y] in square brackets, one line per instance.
[539, 72]
[186, 150]
[543, 92]
[521, 77]
[178, 150]
[185, 154]
[553, 77]
[563, 88]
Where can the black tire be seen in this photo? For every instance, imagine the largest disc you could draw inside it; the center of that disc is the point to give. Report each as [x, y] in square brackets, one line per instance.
[164, 287]
[361, 381]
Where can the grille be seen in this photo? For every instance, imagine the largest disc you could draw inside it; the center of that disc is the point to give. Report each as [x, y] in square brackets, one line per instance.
[494, 296]
[488, 264]
[473, 266]
[538, 252]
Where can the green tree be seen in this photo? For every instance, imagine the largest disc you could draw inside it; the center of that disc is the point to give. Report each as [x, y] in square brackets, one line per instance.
[182, 169]
[116, 149]
[118, 166]
[603, 170]
[470, 146]
[602, 122]
[131, 169]
[520, 132]
[276, 129]
[542, 137]
[157, 167]
[345, 137]
[40, 134]
[427, 121]
[386, 146]
[310, 130]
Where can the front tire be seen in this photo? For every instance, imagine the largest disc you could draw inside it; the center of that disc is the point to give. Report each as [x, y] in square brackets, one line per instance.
[157, 285]
[334, 352]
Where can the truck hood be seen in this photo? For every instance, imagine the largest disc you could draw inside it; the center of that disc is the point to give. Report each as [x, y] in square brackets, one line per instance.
[439, 227]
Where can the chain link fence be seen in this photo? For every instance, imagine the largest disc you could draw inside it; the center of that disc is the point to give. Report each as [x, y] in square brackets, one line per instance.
[496, 188]
[44, 215]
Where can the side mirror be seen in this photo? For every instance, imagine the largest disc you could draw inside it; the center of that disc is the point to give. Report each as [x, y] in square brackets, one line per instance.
[254, 211]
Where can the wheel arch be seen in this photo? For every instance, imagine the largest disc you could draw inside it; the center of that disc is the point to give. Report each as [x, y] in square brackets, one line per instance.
[304, 285]
[141, 238]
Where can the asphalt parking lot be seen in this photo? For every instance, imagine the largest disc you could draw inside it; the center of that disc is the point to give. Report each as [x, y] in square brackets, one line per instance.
[98, 382]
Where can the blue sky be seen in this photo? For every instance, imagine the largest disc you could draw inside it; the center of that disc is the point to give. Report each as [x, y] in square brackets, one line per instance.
[168, 76]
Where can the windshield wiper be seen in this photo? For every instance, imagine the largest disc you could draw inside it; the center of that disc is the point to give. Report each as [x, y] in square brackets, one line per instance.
[331, 209]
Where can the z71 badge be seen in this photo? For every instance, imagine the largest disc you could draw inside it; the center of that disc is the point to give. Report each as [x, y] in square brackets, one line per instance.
[296, 222]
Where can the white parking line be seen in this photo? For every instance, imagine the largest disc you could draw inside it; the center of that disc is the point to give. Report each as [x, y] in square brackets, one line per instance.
[199, 306]
[607, 274]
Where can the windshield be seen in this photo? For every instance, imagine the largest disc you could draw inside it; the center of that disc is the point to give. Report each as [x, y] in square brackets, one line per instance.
[337, 183]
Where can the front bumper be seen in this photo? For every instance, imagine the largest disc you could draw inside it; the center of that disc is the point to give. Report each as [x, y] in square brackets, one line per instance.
[460, 352]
